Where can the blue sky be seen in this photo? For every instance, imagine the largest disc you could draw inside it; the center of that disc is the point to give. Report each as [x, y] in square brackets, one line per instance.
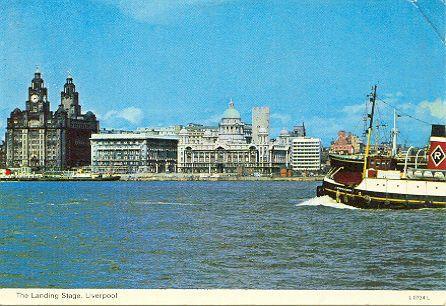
[162, 62]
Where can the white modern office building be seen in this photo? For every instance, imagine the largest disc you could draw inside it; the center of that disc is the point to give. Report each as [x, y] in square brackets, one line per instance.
[306, 153]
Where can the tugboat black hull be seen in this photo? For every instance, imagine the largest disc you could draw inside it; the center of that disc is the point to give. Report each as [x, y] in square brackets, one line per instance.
[367, 199]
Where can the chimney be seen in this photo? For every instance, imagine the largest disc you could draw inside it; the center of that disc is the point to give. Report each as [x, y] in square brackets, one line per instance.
[437, 148]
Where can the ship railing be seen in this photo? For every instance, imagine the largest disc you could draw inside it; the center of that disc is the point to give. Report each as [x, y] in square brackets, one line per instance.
[417, 157]
[426, 174]
[333, 172]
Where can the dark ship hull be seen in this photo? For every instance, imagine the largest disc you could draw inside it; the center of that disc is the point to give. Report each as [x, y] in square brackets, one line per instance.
[380, 190]
[381, 197]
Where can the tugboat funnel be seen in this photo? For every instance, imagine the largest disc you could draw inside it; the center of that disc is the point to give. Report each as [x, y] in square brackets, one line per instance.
[437, 148]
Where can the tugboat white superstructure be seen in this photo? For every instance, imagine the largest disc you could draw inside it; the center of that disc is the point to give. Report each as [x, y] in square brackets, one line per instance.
[381, 184]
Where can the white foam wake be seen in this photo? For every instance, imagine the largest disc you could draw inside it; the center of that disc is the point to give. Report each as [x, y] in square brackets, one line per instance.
[324, 201]
[166, 203]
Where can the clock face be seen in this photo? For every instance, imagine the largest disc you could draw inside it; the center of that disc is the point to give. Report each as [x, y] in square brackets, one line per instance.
[34, 98]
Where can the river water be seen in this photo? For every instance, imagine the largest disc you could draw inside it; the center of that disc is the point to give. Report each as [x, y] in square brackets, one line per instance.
[263, 235]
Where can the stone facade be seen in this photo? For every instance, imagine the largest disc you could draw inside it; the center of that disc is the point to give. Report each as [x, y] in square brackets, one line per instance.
[260, 120]
[229, 148]
[3, 155]
[126, 153]
[44, 140]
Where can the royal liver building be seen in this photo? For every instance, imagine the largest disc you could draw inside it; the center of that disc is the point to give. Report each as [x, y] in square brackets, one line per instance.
[44, 140]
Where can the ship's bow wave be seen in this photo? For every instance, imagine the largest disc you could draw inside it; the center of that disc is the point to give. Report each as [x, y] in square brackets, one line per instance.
[324, 201]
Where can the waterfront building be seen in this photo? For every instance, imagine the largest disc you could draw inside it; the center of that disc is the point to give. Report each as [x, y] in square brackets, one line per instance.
[303, 153]
[3, 155]
[231, 147]
[172, 130]
[133, 152]
[281, 149]
[39, 139]
[260, 120]
[299, 131]
[306, 154]
[346, 143]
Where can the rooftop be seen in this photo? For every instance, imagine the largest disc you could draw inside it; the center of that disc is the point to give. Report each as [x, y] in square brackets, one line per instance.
[132, 136]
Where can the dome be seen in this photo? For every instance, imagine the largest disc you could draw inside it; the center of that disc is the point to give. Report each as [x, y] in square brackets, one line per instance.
[283, 132]
[231, 112]
[183, 131]
[89, 115]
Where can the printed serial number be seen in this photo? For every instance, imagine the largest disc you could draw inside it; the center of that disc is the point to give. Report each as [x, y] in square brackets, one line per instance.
[419, 298]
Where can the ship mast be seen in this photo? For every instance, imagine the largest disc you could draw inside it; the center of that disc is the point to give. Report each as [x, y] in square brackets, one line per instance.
[394, 134]
[369, 130]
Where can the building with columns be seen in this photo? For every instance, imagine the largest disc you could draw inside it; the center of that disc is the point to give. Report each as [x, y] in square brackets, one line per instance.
[133, 152]
[230, 147]
[40, 139]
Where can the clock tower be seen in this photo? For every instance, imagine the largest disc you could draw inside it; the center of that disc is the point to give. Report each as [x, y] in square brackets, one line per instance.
[42, 140]
[37, 95]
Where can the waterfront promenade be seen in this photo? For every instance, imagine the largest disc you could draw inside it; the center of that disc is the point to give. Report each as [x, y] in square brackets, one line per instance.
[214, 177]
[163, 177]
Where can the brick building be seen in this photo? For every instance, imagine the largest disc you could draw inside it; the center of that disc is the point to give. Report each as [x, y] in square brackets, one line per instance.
[347, 143]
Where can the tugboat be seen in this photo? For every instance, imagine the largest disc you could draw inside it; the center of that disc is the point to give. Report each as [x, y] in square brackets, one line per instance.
[382, 184]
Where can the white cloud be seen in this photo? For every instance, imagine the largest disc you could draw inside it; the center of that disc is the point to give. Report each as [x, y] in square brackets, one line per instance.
[424, 110]
[132, 114]
[213, 120]
[160, 11]
[429, 111]
[326, 128]
[354, 110]
[350, 118]
[392, 95]
[436, 108]
[283, 118]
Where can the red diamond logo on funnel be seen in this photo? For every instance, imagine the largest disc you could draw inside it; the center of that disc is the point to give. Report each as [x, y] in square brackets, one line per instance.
[438, 156]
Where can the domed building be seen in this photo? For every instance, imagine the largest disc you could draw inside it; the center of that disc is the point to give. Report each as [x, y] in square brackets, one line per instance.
[231, 127]
[227, 148]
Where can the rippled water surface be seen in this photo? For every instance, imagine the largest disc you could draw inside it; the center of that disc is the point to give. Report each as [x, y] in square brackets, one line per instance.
[268, 235]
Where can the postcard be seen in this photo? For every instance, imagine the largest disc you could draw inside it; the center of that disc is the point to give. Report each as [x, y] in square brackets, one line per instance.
[222, 152]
